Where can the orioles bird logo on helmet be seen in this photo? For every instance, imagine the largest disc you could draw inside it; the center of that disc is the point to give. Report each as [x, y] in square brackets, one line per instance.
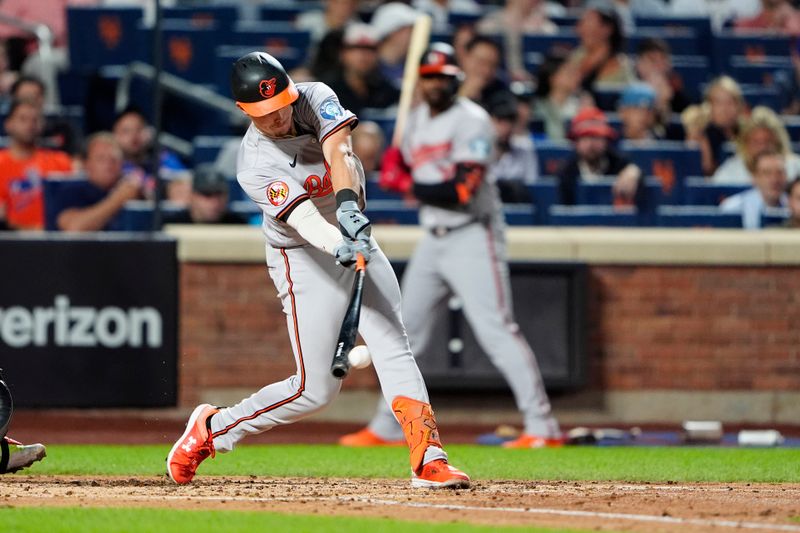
[267, 87]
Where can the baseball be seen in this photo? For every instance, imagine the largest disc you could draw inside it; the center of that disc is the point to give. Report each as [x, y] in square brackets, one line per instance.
[359, 357]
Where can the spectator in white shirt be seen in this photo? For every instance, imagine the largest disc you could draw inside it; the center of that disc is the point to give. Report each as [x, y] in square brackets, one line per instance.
[769, 190]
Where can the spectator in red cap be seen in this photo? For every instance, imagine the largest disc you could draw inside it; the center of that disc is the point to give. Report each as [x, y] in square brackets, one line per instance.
[595, 158]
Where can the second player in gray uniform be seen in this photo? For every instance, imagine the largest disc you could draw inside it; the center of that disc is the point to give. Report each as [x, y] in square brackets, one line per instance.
[296, 163]
[446, 147]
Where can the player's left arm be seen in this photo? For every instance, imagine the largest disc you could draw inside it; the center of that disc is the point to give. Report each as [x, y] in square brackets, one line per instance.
[346, 174]
[459, 190]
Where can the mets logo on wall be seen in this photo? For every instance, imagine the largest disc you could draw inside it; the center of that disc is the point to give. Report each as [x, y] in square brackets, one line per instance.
[277, 193]
[267, 88]
[109, 29]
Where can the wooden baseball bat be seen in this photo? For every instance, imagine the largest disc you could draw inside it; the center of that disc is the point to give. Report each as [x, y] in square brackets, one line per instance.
[347, 333]
[420, 36]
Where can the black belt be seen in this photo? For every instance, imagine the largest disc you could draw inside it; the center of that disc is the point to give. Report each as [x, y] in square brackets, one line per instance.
[441, 231]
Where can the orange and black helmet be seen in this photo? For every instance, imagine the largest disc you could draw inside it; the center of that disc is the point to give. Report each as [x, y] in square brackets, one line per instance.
[439, 59]
[260, 85]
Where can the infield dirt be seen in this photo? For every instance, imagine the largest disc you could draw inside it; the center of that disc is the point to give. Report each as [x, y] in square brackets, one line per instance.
[586, 505]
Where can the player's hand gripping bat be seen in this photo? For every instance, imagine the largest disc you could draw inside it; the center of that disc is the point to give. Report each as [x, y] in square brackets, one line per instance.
[347, 333]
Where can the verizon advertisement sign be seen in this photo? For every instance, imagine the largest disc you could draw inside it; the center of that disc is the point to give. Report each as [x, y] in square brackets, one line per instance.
[89, 322]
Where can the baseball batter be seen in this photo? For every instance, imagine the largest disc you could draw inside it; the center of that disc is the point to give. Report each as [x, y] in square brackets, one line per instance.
[447, 143]
[296, 162]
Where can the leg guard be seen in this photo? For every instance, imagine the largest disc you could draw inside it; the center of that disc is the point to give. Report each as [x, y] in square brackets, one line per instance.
[419, 426]
[6, 407]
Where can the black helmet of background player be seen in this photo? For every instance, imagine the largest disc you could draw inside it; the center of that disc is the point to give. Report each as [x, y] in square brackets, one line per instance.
[260, 85]
[439, 59]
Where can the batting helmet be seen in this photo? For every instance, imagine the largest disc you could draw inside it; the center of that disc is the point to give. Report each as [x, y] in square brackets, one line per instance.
[260, 85]
[439, 58]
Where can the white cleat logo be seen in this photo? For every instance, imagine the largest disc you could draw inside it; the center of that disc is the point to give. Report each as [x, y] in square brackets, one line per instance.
[191, 441]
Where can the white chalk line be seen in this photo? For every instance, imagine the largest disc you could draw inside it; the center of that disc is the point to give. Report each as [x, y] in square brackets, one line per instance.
[455, 507]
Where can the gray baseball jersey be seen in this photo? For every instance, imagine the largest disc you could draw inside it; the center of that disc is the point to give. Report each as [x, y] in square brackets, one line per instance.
[278, 174]
[467, 259]
[462, 134]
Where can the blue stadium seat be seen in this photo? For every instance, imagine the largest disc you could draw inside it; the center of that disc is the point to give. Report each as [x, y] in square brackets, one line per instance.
[223, 17]
[286, 11]
[792, 124]
[519, 214]
[697, 216]
[391, 212]
[375, 192]
[187, 49]
[728, 44]
[597, 192]
[564, 39]
[137, 215]
[205, 148]
[606, 97]
[105, 36]
[757, 71]
[693, 71]
[593, 215]
[668, 161]
[456, 19]
[56, 193]
[552, 155]
[759, 95]
[774, 216]
[700, 191]
[700, 25]
[565, 22]
[681, 41]
[385, 118]
[288, 45]
[544, 193]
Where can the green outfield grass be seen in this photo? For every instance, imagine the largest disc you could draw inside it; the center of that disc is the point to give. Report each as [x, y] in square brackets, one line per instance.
[481, 462]
[72, 519]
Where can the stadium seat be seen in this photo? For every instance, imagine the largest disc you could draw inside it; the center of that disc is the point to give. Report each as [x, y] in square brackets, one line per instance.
[375, 192]
[668, 161]
[700, 25]
[693, 71]
[519, 214]
[391, 212]
[288, 45]
[593, 215]
[56, 193]
[681, 41]
[700, 191]
[206, 148]
[757, 72]
[187, 49]
[542, 44]
[544, 193]
[552, 155]
[137, 215]
[223, 17]
[385, 118]
[774, 216]
[792, 124]
[456, 19]
[697, 216]
[104, 37]
[755, 47]
[282, 11]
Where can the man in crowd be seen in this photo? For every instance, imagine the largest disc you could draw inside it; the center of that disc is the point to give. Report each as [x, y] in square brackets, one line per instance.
[769, 179]
[135, 137]
[360, 83]
[481, 70]
[209, 200]
[23, 165]
[595, 158]
[95, 204]
[393, 23]
[637, 110]
[515, 163]
[57, 132]
[793, 193]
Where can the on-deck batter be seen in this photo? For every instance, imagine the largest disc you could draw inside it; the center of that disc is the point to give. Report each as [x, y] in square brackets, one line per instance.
[296, 163]
[447, 143]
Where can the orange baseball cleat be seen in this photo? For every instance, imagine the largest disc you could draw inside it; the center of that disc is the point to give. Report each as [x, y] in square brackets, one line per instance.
[194, 446]
[366, 438]
[533, 441]
[438, 474]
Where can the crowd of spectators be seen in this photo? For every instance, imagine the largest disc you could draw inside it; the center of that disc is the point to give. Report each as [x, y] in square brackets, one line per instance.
[358, 47]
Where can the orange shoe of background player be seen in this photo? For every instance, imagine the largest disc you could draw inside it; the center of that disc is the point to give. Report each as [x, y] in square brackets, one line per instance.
[365, 438]
[533, 441]
[194, 446]
[439, 474]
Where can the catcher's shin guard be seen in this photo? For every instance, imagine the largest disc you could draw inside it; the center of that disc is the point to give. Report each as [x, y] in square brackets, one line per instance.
[419, 426]
[6, 406]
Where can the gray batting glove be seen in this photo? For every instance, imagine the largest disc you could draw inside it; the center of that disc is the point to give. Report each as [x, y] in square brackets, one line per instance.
[347, 251]
[352, 222]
